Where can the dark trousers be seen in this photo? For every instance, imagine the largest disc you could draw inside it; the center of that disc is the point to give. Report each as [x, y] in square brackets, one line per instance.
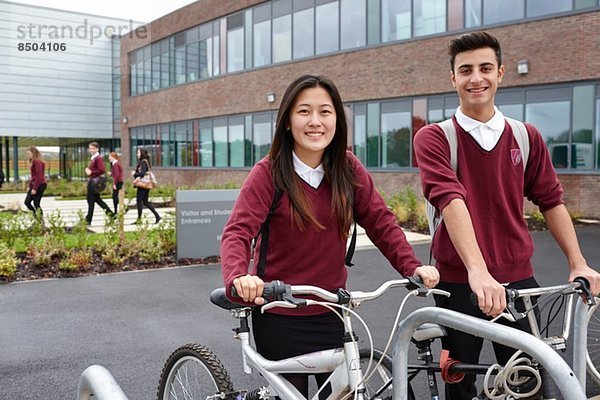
[94, 198]
[141, 197]
[115, 195]
[35, 199]
[466, 348]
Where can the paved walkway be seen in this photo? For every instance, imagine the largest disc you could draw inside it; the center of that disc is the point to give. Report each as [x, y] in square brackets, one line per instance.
[69, 210]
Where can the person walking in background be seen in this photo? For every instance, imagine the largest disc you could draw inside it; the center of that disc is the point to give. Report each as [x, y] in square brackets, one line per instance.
[143, 166]
[95, 169]
[1, 178]
[116, 170]
[37, 183]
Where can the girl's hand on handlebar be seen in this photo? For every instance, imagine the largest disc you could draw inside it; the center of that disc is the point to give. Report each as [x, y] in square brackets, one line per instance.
[589, 274]
[250, 289]
[429, 275]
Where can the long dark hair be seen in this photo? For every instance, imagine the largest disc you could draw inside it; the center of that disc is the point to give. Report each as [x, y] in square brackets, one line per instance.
[144, 156]
[338, 171]
[35, 153]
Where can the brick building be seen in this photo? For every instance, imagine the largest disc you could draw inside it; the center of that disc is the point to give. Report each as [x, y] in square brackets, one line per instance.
[201, 89]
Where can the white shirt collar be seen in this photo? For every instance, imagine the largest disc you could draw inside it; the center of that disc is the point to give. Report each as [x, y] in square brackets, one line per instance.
[96, 155]
[312, 176]
[496, 123]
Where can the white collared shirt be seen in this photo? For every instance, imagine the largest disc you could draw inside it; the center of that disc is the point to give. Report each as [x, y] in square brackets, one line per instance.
[312, 176]
[487, 134]
[95, 155]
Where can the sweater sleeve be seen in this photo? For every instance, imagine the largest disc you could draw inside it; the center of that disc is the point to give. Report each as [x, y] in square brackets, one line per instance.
[249, 212]
[438, 179]
[371, 212]
[542, 186]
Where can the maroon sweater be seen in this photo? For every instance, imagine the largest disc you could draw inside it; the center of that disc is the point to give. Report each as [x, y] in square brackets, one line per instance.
[309, 257]
[38, 175]
[97, 167]
[117, 172]
[492, 184]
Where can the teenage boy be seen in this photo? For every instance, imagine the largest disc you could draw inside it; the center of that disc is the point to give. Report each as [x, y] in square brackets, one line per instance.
[483, 243]
[95, 169]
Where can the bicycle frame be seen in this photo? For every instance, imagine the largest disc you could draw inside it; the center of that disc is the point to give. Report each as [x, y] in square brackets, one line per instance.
[343, 364]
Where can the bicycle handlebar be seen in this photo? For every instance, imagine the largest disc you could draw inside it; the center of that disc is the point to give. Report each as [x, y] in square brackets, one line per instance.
[281, 295]
[579, 285]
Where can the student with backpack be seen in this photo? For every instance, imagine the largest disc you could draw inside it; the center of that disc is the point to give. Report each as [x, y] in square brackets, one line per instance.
[477, 178]
[324, 188]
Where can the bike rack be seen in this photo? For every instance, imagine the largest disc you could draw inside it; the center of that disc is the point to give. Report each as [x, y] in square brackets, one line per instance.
[98, 384]
[558, 369]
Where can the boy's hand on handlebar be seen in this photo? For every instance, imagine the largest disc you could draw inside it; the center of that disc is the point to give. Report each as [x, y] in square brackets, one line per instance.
[250, 289]
[591, 275]
[491, 296]
[429, 275]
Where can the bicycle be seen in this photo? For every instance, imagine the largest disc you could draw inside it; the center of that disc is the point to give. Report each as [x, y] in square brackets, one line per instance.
[521, 377]
[194, 372]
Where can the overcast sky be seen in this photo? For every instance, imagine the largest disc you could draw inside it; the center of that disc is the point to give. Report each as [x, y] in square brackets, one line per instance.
[137, 10]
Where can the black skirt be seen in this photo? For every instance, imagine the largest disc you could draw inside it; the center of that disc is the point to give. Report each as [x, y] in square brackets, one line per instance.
[283, 336]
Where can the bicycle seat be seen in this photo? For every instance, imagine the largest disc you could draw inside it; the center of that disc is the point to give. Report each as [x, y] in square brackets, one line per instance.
[429, 331]
[218, 297]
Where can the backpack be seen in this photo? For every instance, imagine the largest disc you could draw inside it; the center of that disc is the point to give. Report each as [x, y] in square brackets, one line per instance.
[434, 216]
[264, 232]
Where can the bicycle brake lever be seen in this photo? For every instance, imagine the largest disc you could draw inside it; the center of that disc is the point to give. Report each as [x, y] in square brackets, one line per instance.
[278, 303]
[585, 293]
[438, 291]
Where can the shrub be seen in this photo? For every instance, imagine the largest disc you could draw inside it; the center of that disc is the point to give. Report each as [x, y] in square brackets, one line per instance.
[67, 266]
[537, 216]
[80, 258]
[8, 261]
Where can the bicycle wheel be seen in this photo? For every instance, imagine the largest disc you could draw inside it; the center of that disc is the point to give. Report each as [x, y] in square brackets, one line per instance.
[193, 372]
[381, 377]
[593, 344]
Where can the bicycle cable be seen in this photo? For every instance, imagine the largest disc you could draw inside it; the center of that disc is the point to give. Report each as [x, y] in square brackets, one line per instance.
[509, 375]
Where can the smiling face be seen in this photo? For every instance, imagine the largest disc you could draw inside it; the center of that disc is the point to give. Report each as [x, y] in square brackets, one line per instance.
[92, 149]
[312, 122]
[476, 77]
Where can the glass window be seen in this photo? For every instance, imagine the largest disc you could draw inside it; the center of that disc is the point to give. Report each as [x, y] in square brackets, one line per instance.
[514, 111]
[328, 28]
[373, 135]
[395, 20]
[354, 23]
[140, 76]
[164, 64]
[456, 15]
[472, 13]
[165, 146]
[192, 52]
[235, 43]
[133, 79]
[180, 144]
[586, 3]
[495, 11]
[236, 142]
[598, 131]
[220, 142]
[206, 144]
[430, 16]
[156, 66]
[262, 35]
[535, 8]
[360, 132]
[552, 120]
[583, 125]
[395, 134]
[205, 51]
[419, 120]
[282, 38]
[216, 49]
[262, 127]
[304, 33]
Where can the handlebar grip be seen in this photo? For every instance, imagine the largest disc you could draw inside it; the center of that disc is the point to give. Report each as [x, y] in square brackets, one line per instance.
[271, 291]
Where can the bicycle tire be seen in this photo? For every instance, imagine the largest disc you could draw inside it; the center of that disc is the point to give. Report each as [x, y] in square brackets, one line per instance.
[593, 344]
[381, 377]
[194, 370]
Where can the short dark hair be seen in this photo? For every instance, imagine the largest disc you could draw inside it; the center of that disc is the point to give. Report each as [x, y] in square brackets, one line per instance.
[95, 144]
[473, 41]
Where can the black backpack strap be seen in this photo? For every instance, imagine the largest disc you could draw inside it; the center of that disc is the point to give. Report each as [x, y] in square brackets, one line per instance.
[351, 247]
[264, 232]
